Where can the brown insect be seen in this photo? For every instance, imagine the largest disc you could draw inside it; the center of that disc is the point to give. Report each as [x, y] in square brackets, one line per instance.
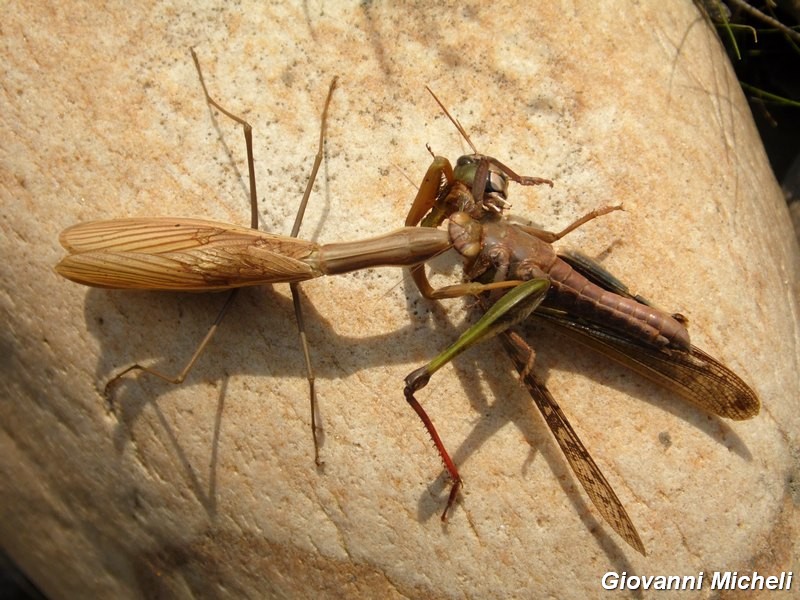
[574, 293]
[181, 254]
[513, 270]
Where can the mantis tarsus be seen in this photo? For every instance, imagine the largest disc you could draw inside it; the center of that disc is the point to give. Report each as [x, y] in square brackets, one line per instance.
[512, 269]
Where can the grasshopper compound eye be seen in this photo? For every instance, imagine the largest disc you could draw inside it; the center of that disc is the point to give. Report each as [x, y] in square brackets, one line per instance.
[496, 183]
[488, 182]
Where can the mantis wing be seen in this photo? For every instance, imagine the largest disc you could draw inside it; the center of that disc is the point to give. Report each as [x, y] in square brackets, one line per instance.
[181, 254]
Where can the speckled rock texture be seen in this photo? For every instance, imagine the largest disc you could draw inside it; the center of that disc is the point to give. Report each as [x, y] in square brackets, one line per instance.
[209, 489]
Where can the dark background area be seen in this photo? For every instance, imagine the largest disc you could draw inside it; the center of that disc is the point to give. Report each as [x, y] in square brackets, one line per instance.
[763, 44]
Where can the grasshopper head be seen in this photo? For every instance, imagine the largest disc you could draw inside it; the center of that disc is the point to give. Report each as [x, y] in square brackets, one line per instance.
[488, 182]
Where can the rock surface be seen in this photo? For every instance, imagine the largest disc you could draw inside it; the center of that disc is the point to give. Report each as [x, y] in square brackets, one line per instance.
[209, 489]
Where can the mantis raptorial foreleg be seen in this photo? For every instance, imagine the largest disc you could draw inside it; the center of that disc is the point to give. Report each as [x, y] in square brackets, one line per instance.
[439, 171]
[444, 191]
[448, 193]
[248, 135]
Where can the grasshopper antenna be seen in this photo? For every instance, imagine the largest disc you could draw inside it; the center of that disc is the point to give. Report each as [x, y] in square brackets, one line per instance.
[453, 120]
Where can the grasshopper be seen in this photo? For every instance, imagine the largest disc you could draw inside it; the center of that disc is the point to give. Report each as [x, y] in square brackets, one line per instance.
[574, 293]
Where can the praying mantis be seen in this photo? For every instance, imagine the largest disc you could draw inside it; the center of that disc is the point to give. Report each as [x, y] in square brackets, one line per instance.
[512, 270]
[182, 254]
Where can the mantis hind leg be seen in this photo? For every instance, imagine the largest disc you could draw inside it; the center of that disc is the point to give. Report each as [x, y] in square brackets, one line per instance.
[178, 379]
[295, 287]
[248, 135]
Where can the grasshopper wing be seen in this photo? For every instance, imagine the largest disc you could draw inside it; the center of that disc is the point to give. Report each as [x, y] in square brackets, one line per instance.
[588, 473]
[694, 375]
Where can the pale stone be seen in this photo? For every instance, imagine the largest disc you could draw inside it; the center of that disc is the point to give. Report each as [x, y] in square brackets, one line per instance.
[209, 489]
